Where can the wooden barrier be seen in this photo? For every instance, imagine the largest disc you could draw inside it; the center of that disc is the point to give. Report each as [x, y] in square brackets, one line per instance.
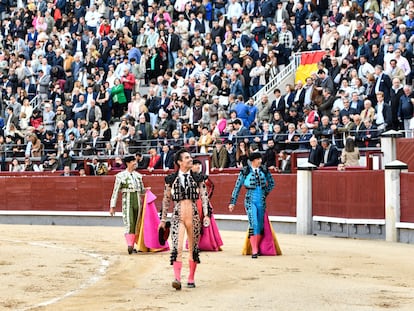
[407, 197]
[405, 152]
[349, 194]
[92, 193]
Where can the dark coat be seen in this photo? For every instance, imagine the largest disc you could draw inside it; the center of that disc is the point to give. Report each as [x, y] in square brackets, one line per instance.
[269, 157]
[385, 86]
[333, 156]
[169, 160]
[316, 155]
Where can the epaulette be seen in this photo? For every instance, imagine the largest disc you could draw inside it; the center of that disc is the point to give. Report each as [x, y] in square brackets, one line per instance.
[198, 177]
[170, 178]
[264, 168]
[245, 170]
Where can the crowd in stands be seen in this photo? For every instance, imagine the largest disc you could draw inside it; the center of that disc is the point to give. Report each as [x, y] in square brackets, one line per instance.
[71, 69]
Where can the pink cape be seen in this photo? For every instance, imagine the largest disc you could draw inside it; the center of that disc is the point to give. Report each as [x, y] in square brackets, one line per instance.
[147, 239]
[210, 240]
[269, 245]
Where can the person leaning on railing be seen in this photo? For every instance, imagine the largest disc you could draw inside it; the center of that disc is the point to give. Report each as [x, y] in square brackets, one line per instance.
[219, 157]
[350, 154]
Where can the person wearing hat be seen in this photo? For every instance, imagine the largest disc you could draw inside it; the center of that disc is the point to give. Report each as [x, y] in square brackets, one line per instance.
[258, 183]
[51, 164]
[129, 183]
[184, 188]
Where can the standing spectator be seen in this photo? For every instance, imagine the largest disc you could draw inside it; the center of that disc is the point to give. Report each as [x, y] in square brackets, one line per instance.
[48, 117]
[258, 78]
[316, 152]
[166, 159]
[330, 154]
[43, 83]
[128, 80]
[219, 158]
[300, 20]
[350, 154]
[269, 158]
[119, 99]
[405, 110]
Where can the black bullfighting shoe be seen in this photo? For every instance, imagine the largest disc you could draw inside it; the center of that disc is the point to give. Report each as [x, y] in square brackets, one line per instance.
[176, 284]
[191, 285]
[130, 249]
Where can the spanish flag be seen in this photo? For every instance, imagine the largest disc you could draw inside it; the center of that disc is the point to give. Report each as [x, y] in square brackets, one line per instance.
[308, 64]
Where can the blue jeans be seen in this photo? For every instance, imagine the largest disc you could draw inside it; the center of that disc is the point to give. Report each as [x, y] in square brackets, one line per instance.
[172, 56]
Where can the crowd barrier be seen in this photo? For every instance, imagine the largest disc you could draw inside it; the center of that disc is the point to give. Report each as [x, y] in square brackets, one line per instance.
[357, 202]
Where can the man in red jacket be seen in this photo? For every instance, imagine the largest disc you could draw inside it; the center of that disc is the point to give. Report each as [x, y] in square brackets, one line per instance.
[128, 80]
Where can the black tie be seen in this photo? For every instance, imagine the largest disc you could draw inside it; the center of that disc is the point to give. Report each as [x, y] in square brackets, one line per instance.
[256, 172]
[186, 181]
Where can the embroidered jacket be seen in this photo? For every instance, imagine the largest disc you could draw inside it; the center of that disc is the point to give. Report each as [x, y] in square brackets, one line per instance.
[176, 192]
[248, 178]
[127, 182]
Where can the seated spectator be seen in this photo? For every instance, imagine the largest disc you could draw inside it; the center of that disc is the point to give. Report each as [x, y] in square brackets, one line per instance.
[242, 154]
[66, 171]
[304, 137]
[29, 166]
[64, 160]
[15, 166]
[231, 154]
[176, 142]
[191, 146]
[153, 159]
[290, 137]
[51, 164]
[117, 164]
[142, 161]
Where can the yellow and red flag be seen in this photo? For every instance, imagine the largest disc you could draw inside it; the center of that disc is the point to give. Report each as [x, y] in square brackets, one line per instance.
[308, 64]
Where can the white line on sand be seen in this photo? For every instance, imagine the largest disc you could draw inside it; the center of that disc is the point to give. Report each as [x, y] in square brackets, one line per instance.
[89, 282]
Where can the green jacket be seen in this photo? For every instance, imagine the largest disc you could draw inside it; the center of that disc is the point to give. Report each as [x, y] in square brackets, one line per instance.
[118, 94]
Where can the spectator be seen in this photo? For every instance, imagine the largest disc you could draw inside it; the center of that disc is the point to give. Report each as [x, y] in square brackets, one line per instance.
[284, 162]
[119, 99]
[269, 157]
[219, 158]
[330, 154]
[316, 152]
[350, 154]
[15, 166]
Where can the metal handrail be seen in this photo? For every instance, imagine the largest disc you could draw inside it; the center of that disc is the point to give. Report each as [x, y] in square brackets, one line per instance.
[279, 78]
[35, 102]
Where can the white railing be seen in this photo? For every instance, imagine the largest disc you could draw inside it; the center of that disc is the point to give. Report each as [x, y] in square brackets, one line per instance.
[275, 81]
[35, 102]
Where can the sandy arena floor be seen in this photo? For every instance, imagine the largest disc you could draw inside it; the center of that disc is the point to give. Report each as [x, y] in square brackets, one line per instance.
[88, 268]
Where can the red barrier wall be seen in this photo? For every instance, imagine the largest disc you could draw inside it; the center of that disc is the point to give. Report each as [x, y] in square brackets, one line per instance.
[280, 202]
[407, 197]
[405, 152]
[349, 194]
[92, 193]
